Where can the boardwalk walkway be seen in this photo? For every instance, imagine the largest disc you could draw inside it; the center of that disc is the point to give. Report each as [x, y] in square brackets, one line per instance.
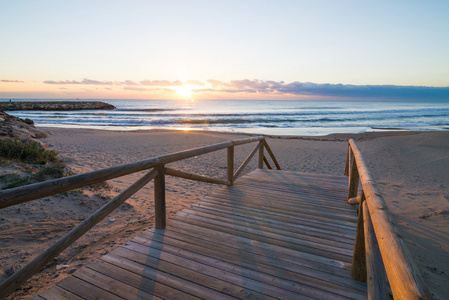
[274, 234]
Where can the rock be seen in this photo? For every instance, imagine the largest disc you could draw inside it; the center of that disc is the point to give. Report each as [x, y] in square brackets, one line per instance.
[11, 270]
[13, 127]
[60, 267]
[39, 142]
[29, 122]
[56, 105]
[21, 133]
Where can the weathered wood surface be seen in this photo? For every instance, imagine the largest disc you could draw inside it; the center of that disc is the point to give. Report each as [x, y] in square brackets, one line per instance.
[33, 191]
[376, 278]
[404, 277]
[69, 238]
[274, 234]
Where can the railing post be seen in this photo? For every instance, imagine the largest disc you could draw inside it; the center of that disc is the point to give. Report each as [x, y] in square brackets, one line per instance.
[353, 178]
[260, 164]
[347, 160]
[376, 278]
[159, 197]
[230, 167]
[358, 268]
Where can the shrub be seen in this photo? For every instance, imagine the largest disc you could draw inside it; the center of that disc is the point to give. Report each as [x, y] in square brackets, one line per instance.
[14, 180]
[52, 171]
[26, 152]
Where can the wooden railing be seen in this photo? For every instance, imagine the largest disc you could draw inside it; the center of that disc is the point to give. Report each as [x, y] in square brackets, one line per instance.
[378, 248]
[157, 170]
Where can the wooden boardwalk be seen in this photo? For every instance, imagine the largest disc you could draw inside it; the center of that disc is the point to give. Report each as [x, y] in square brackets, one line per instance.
[273, 235]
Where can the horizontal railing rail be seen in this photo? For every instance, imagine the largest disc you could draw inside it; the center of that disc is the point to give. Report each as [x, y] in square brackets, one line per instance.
[378, 248]
[157, 171]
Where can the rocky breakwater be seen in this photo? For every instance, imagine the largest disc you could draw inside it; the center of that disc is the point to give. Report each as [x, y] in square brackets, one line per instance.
[55, 105]
[15, 128]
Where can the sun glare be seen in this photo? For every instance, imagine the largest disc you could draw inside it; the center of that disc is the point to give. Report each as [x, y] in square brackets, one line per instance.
[184, 91]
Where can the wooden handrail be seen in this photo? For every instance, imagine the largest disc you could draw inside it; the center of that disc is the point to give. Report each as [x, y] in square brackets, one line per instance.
[195, 177]
[403, 275]
[34, 266]
[35, 191]
[246, 161]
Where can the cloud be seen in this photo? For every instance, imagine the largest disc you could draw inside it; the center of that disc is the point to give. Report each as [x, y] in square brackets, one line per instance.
[216, 83]
[195, 82]
[131, 88]
[330, 90]
[127, 82]
[161, 83]
[84, 81]
[366, 91]
[256, 84]
[11, 81]
[276, 88]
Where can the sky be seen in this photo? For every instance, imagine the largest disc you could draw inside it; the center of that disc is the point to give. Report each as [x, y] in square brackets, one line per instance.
[245, 49]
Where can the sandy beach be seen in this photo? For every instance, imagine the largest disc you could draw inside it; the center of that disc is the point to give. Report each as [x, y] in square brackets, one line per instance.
[410, 168]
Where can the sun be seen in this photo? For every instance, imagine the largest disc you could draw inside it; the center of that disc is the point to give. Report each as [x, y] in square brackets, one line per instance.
[184, 91]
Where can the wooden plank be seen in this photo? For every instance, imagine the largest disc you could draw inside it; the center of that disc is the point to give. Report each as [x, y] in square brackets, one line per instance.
[280, 223]
[294, 176]
[302, 195]
[295, 218]
[317, 218]
[242, 249]
[318, 186]
[147, 286]
[294, 191]
[303, 276]
[312, 189]
[221, 270]
[322, 249]
[86, 290]
[269, 262]
[297, 178]
[277, 228]
[288, 199]
[57, 293]
[272, 203]
[215, 240]
[271, 235]
[112, 285]
[208, 287]
[162, 277]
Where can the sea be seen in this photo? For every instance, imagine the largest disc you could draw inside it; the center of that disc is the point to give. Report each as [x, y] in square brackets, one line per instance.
[271, 117]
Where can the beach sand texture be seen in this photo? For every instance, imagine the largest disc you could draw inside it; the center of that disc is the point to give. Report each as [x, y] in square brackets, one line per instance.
[411, 170]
